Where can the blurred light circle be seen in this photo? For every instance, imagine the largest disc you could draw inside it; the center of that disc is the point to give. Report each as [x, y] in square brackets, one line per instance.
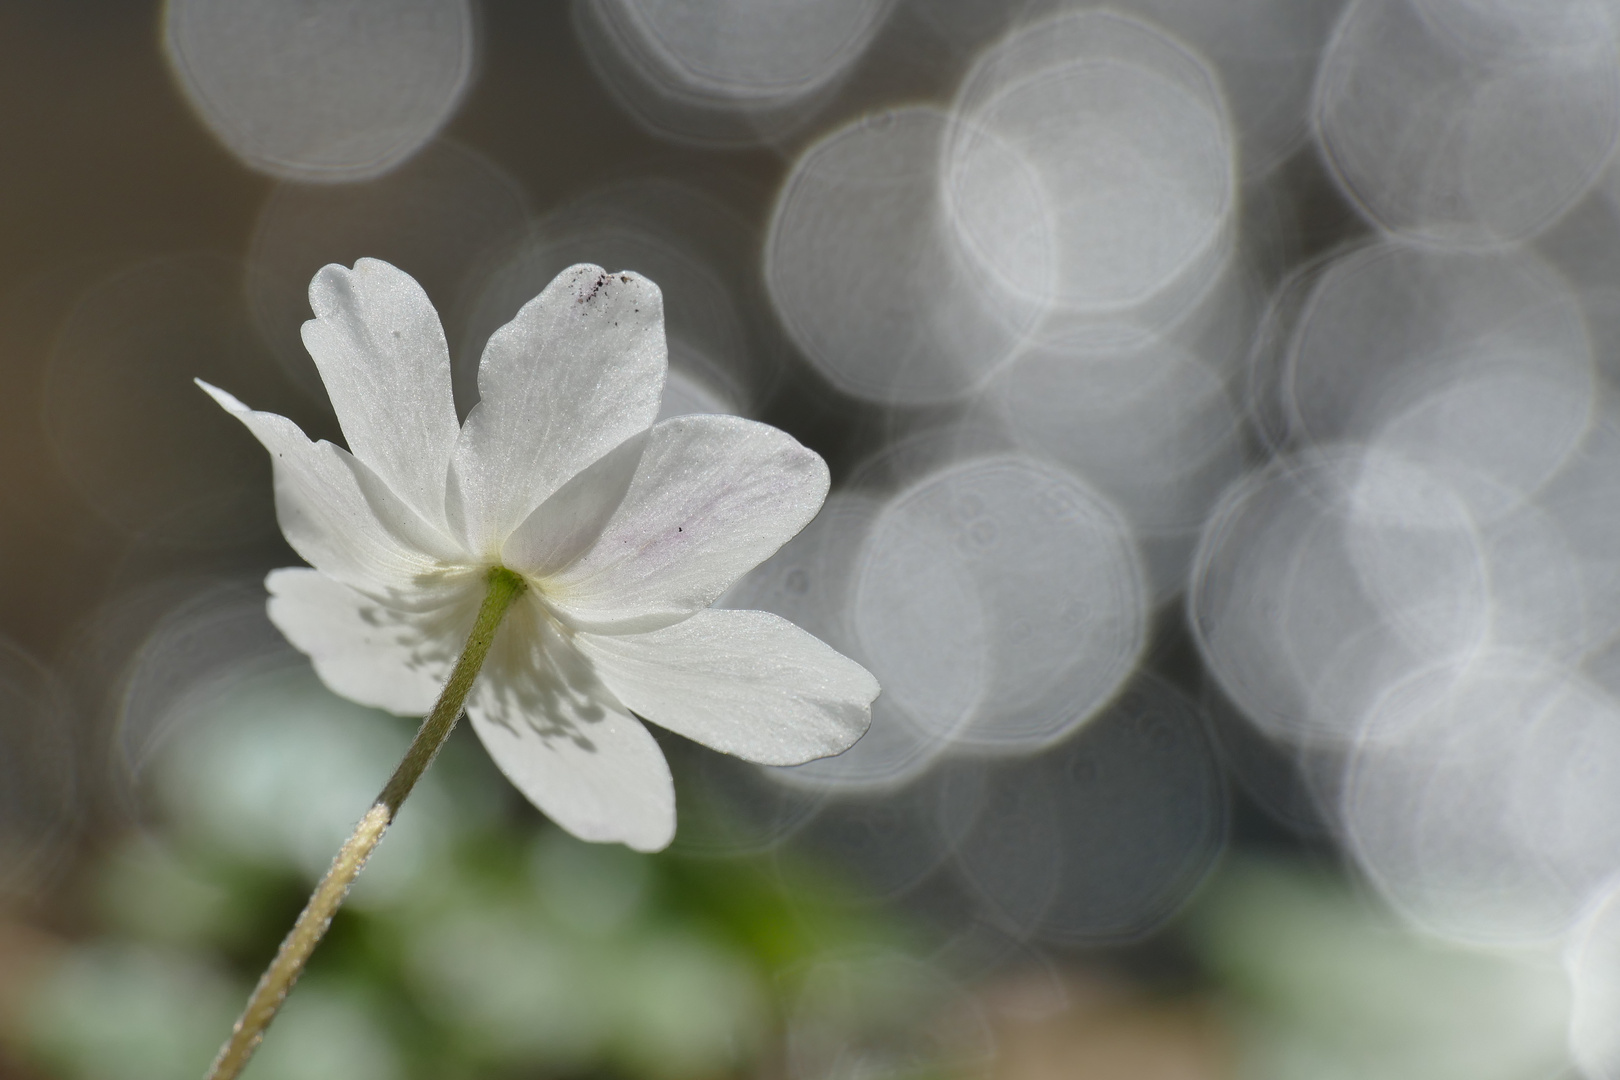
[1101, 838]
[205, 637]
[1482, 798]
[1324, 578]
[323, 90]
[1389, 317]
[1266, 52]
[1467, 122]
[1152, 428]
[1498, 433]
[437, 218]
[1494, 26]
[809, 579]
[1541, 589]
[1582, 501]
[1476, 365]
[862, 269]
[748, 49]
[725, 73]
[1000, 603]
[98, 659]
[1125, 136]
[810, 582]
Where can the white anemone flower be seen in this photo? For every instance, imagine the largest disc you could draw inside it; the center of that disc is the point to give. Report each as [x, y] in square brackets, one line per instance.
[624, 530]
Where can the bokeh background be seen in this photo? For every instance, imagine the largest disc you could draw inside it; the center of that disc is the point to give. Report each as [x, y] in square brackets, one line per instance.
[1220, 402]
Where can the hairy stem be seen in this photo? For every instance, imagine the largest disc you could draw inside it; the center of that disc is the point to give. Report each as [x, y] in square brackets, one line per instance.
[278, 979]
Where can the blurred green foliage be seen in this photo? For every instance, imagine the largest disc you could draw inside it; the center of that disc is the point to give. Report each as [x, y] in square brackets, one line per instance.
[485, 943]
[481, 942]
[1326, 984]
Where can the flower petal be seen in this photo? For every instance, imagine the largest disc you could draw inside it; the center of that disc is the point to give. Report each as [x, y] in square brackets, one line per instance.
[340, 516]
[383, 358]
[565, 742]
[713, 497]
[564, 527]
[744, 682]
[364, 651]
[578, 371]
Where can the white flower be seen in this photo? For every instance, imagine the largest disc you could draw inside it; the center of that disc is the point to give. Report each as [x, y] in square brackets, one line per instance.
[625, 530]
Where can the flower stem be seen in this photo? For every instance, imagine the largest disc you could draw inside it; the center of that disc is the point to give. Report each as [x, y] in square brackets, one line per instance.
[278, 979]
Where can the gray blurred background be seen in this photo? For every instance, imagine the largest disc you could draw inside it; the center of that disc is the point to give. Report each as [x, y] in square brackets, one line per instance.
[1226, 492]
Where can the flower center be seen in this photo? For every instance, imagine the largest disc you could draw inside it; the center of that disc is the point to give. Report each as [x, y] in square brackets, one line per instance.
[507, 578]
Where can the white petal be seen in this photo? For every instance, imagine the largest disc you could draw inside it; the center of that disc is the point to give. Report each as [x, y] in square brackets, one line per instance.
[340, 517]
[714, 496]
[564, 527]
[383, 358]
[744, 682]
[364, 651]
[565, 742]
[577, 372]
